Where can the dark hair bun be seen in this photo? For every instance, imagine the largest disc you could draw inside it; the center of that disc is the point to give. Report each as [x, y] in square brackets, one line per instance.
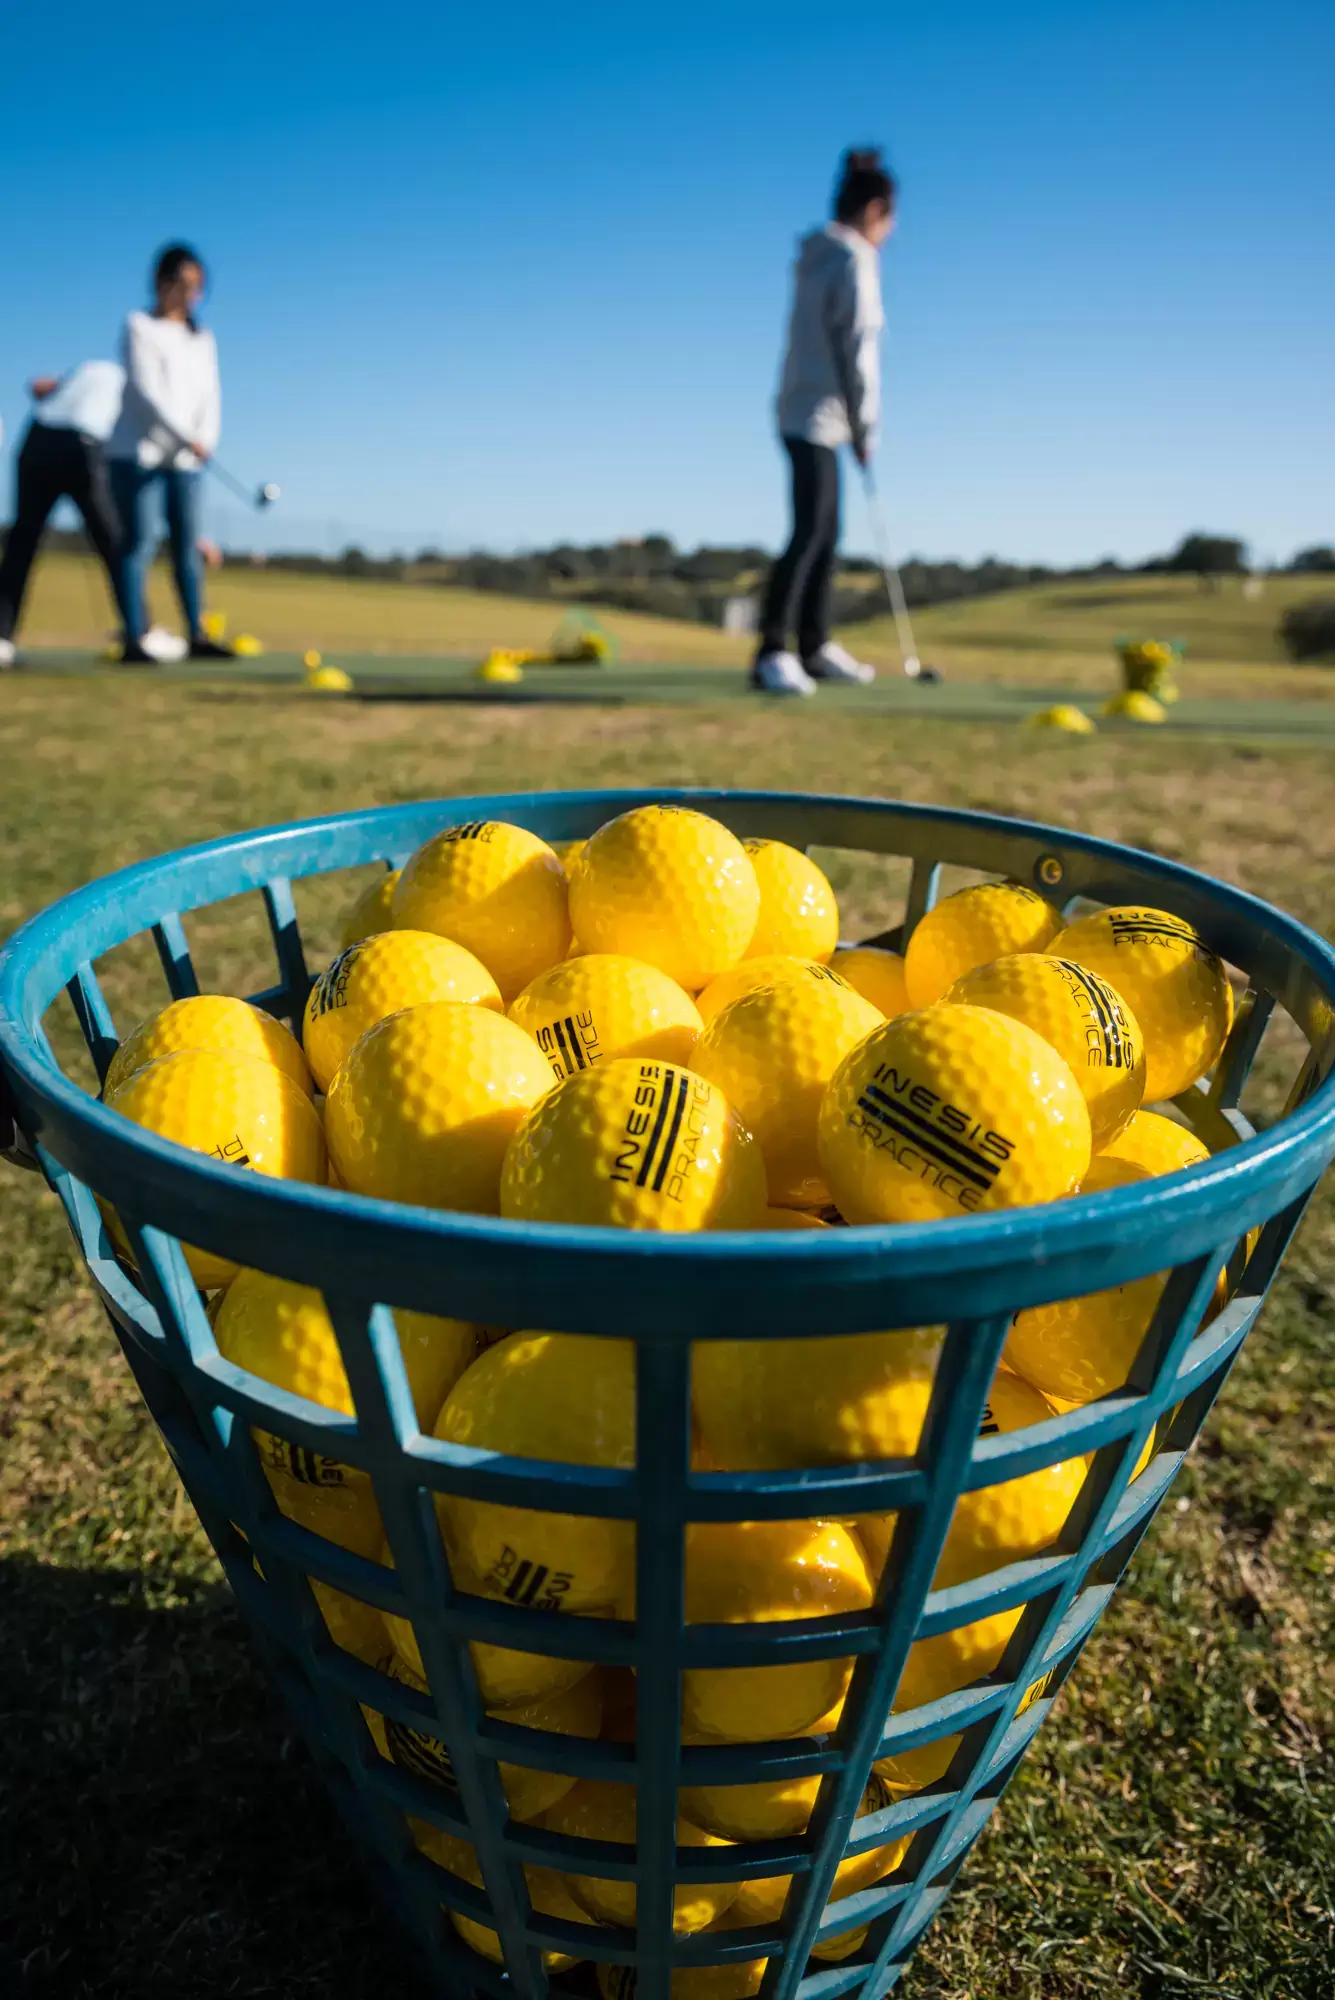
[863, 160]
[863, 178]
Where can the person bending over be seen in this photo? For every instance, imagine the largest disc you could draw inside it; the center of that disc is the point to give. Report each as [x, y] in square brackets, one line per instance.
[829, 395]
[167, 430]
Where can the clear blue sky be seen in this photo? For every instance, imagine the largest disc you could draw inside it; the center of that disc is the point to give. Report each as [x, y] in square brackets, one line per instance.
[497, 275]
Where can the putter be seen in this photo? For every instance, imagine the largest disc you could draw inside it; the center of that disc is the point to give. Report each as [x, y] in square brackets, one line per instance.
[258, 497]
[894, 589]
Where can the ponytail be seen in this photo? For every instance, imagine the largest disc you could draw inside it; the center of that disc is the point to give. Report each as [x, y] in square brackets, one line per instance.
[863, 179]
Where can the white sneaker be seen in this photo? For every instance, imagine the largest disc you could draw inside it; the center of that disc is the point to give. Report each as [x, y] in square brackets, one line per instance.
[164, 647]
[781, 673]
[6, 653]
[834, 663]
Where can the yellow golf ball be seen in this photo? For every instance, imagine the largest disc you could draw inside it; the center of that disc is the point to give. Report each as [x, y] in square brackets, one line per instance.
[497, 890]
[426, 1103]
[738, 1980]
[748, 977]
[1081, 1016]
[506, 1677]
[209, 1021]
[547, 1892]
[798, 911]
[241, 1113]
[760, 1900]
[947, 1112]
[1156, 1143]
[560, 1396]
[972, 927]
[876, 974]
[373, 910]
[600, 1006]
[768, 1405]
[668, 886]
[593, 1810]
[381, 976]
[634, 1145]
[1175, 985]
[772, 1053]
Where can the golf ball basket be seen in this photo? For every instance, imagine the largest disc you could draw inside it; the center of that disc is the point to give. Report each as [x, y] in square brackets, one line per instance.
[664, 1292]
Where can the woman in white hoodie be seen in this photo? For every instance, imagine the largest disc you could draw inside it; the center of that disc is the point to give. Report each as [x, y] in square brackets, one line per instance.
[168, 427]
[829, 395]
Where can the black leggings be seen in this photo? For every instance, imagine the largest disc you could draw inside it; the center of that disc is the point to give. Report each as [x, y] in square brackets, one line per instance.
[799, 586]
[56, 465]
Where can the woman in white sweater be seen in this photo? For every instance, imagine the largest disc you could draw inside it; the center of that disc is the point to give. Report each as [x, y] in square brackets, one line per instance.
[168, 428]
[829, 395]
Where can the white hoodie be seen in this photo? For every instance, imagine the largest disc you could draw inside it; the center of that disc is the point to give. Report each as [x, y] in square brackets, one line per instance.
[172, 398]
[830, 390]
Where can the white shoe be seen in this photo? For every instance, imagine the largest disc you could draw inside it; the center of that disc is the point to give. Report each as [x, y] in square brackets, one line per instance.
[781, 673]
[164, 647]
[834, 663]
[6, 653]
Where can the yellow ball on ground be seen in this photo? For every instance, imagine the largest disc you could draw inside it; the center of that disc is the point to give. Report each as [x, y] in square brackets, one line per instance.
[381, 976]
[373, 910]
[634, 1145]
[760, 1900]
[1174, 984]
[209, 1021]
[972, 927]
[798, 911]
[575, 1711]
[669, 886]
[547, 1892]
[238, 1112]
[426, 1103]
[876, 974]
[947, 1112]
[506, 1677]
[1081, 1016]
[561, 1396]
[497, 890]
[747, 977]
[1158, 1144]
[599, 1006]
[596, 1811]
[769, 1405]
[741, 1572]
[772, 1053]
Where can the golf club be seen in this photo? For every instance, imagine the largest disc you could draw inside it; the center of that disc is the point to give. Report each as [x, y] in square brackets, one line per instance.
[913, 666]
[258, 497]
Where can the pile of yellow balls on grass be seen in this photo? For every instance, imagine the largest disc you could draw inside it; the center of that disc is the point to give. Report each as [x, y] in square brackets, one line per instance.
[657, 1029]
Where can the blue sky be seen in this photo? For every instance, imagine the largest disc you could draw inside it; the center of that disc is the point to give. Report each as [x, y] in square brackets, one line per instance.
[501, 275]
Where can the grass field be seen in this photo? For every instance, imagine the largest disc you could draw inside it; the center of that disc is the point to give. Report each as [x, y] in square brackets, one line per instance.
[1057, 636]
[1173, 1835]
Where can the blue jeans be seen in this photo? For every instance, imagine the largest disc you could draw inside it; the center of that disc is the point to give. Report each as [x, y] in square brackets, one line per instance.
[132, 489]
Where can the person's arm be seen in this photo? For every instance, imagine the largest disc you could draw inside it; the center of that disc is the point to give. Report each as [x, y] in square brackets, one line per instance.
[854, 325]
[209, 426]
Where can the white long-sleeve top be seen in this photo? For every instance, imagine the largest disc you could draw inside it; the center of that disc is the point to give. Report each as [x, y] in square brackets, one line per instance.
[171, 393]
[830, 390]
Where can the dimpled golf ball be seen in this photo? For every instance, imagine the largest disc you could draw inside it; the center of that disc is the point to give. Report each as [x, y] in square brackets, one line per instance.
[1175, 985]
[1083, 1018]
[746, 978]
[669, 886]
[238, 1112]
[762, 1898]
[772, 1053]
[635, 1145]
[972, 927]
[381, 976]
[876, 974]
[947, 1112]
[1157, 1143]
[373, 910]
[563, 1396]
[593, 1810]
[428, 1100]
[600, 1006]
[768, 1405]
[282, 1332]
[209, 1021]
[497, 890]
[506, 1678]
[798, 912]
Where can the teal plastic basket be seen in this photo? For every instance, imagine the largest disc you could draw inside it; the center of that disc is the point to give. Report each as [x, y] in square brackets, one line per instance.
[665, 1293]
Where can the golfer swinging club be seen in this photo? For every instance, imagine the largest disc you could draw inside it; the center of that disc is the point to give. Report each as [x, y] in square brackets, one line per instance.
[829, 395]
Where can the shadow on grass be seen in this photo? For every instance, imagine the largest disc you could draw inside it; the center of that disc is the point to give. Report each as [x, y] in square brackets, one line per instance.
[164, 1832]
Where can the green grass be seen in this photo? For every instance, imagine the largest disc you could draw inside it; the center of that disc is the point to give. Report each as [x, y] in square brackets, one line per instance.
[1173, 1835]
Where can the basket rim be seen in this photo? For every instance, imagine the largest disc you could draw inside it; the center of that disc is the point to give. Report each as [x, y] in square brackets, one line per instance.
[357, 1238]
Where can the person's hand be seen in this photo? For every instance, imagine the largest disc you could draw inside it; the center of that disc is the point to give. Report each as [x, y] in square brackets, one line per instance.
[42, 386]
[209, 552]
[863, 450]
[202, 453]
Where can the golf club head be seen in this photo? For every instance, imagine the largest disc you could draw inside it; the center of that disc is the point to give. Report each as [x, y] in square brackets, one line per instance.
[267, 494]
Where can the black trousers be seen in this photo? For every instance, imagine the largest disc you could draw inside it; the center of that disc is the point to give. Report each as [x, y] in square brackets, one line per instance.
[798, 595]
[56, 465]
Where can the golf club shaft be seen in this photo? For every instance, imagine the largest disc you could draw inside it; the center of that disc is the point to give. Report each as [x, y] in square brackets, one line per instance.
[246, 493]
[894, 588]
